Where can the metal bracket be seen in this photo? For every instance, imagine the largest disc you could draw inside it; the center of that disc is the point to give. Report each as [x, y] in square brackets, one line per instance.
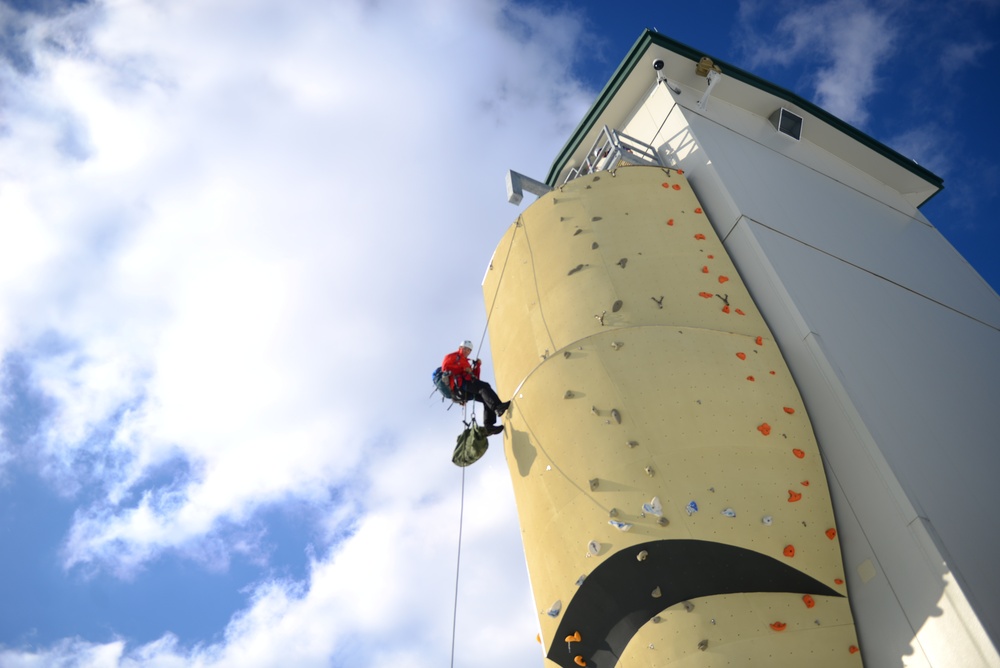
[518, 183]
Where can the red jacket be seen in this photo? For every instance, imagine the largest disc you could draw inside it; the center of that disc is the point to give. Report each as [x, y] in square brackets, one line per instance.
[460, 367]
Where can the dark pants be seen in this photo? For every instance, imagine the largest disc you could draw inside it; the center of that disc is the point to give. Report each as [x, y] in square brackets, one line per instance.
[480, 390]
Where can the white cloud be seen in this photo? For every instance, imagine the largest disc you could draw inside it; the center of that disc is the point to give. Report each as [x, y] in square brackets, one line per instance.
[265, 229]
[850, 40]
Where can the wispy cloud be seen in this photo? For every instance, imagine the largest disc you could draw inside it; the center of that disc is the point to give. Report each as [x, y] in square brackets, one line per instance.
[842, 43]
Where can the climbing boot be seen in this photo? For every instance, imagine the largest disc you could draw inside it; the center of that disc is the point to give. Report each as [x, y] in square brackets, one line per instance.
[493, 429]
[502, 408]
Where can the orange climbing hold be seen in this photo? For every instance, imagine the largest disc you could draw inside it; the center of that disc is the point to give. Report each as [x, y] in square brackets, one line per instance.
[680, 171]
[725, 309]
[759, 340]
[789, 551]
[798, 453]
[677, 186]
[698, 210]
[831, 533]
[666, 185]
[670, 222]
[576, 637]
[579, 660]
[723, 279]
[739, 312]
[779, 626]
[765, 429]
[790, 411]
[793, 496]
[804, 483]
[742, 356]
[771, 372]
[704, 270]
[700, 237]
[706, 295]
[538, 638]
[838, 581]
[853, 649]
[750, 378]
[809, 601]
[711, 257]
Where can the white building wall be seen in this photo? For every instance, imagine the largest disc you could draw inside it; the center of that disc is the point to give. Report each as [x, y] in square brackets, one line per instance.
[895, 343]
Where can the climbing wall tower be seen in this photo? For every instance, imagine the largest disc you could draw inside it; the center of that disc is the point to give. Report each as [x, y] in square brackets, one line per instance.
[753, 415]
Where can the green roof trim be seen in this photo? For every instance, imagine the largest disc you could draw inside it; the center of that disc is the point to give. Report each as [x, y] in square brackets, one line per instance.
[648, 38]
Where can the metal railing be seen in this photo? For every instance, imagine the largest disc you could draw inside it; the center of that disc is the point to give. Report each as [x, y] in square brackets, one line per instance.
[612, 148]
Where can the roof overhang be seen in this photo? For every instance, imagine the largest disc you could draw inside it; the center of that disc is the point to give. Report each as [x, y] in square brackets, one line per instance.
[634, 78]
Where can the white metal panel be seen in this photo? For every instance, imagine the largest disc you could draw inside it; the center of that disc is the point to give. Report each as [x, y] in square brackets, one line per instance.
[822, 212]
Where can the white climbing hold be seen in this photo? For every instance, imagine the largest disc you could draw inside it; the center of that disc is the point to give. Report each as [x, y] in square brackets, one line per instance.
[621, 526]
[691, 508]
[729, 512]
[657, 593]
[688, 605]
[593, 548]
[579, 580]
[642, 555]
[654, 507]
[650, 472]
[554, 609]
[767, 520]
[615, 345]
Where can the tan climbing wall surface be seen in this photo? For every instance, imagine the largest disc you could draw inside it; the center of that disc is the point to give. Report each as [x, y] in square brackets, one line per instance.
[672, 500]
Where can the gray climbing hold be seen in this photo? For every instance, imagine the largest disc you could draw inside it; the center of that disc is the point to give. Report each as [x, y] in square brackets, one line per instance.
[593, 548]
[657, 593]
[596, 218]
[594, 246]
[650, 472]
[656, 619]
[632, 444]
[613, 512]
[729, 512]
[566, 354]
[703, 645]
[616, 415]
[663, 521]
[622, 262]
[568, 395]
[616, 345]
[688, 605]
[594, 483]
[617, 306]
[579, 580]
[576, 269]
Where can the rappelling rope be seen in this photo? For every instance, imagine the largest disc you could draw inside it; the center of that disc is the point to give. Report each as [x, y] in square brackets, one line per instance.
[461, 512]
[458, 564]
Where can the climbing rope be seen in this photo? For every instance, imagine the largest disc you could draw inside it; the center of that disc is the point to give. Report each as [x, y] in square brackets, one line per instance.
[458, 565]
[461, 512]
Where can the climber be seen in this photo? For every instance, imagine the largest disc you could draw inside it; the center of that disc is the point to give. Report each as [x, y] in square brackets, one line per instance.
[463, 379]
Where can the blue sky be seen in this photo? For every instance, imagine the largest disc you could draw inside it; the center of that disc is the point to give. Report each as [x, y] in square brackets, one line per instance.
[234, 241]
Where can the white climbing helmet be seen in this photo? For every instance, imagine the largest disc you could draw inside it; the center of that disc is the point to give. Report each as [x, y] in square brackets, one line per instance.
[466, 344]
